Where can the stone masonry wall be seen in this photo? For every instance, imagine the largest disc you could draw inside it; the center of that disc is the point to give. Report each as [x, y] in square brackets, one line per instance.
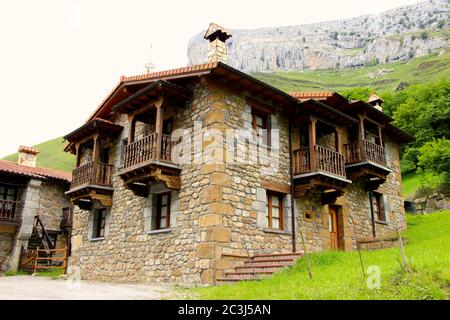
[6, 245]
[130, 252]
[52, 201]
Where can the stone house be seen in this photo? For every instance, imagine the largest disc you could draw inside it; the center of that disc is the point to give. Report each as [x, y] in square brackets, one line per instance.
[182, 174]
[33, 208]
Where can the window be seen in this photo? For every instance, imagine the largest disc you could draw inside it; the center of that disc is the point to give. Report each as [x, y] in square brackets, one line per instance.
[8, 193]
[260, 127]
[99, 223]
[274, 211]
[309, 215]
[377, 206]
[163, 211]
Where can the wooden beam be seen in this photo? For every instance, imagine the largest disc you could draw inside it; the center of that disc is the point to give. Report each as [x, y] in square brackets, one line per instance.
[131, 128]
[312, 143]
[275, 186]
[159, 126]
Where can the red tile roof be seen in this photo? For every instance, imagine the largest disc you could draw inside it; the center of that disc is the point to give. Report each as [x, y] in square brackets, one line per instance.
[312, 94]
[39, 173]
[179, 71]
[160, 75]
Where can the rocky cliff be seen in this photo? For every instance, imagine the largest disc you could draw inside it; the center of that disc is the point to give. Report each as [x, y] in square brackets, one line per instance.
[395, 35]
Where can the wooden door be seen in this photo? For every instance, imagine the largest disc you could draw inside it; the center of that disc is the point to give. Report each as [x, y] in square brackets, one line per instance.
[333, 228]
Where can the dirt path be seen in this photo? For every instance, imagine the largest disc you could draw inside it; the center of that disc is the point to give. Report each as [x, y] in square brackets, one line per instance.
[42, 288]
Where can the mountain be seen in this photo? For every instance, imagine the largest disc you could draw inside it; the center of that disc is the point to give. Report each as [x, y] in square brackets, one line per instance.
[388, 77]
[395, 35]
[51, 155]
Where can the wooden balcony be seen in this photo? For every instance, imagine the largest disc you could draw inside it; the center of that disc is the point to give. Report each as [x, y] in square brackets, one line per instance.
[366, 159]
[320, 168]
[366, 150]
[91, 181]
[326, 161]
[142, 163]
[11, 212]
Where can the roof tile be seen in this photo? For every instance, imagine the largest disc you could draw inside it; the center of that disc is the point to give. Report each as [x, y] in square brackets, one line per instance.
[40, 173]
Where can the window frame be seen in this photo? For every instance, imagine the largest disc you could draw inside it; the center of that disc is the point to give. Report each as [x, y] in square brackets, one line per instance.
[97, 227]
[377, 207]
[6, 194]
[270, 218]
[266, 121]
[159, 205]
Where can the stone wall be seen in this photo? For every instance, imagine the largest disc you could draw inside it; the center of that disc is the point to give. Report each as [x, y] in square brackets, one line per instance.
[51, 202]
[6, 246]
[434, 202]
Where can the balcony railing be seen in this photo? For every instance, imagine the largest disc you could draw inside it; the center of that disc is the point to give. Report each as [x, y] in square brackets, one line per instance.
[144, 150]
[366, 151]
[323, 159]
[11, 211]
[92, 173]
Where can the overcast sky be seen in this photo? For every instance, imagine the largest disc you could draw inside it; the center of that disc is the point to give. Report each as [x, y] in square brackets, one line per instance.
[60, 58]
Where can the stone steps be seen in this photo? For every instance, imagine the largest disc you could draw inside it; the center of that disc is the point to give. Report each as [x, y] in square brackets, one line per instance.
[260, 266]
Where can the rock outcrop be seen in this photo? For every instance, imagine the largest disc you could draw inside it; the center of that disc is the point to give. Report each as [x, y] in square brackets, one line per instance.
[395, 35]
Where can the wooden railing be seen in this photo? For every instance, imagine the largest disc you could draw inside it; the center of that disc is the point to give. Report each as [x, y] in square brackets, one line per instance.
[92, 173]
[365, 151]
[166, 147]
[323, 159]
[42, 233]
[302, 161]
[11, 211]
[35, 259]
[144, 150]
[139, 151]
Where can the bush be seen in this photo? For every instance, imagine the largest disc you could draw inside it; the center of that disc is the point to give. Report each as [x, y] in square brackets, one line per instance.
[435, 158]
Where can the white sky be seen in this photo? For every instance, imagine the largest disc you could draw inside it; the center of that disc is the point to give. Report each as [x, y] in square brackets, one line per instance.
[60, 58]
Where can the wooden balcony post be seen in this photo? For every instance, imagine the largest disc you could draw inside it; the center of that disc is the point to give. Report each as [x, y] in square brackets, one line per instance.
[380, 136]
[361, 147]
[312, 143]
[95, 158]
[131, 128]
[159, 127]
[78, 154]
[337, 140]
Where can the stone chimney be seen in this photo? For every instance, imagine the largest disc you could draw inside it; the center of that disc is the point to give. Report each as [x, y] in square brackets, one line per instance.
[217, 36]
[375, 101]
[27, 156]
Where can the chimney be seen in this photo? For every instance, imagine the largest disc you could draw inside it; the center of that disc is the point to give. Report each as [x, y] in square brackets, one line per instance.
[375, 101]
[27, 156]
[217, 49]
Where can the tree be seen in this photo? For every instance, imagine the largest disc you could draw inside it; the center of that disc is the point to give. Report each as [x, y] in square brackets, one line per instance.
[435, 158]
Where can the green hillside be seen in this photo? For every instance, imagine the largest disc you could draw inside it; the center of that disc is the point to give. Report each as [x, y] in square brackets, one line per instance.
[383, 77]
[338, 275]
[51, 155]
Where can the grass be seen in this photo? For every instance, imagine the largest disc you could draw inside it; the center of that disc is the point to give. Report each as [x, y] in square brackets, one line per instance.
[418, 70]
[51, 155]
[338, 275]
[413, 181]
[54, 274]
